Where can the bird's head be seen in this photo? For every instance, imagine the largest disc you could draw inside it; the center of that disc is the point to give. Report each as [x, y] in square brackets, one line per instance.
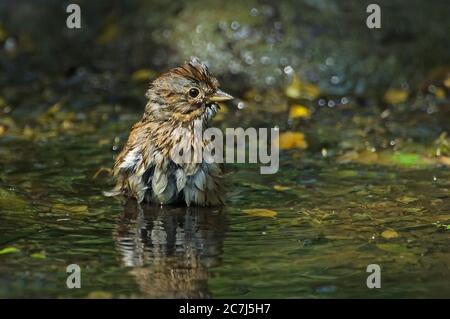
[185, 93]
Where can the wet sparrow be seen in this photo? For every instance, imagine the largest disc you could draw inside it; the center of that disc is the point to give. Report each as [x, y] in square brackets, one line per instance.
[180, 103]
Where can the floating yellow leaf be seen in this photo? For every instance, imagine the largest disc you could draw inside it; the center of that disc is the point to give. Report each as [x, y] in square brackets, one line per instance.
[445, 160]
[260, 212]
[289, 140]
[447, 82]
[396, 96]
[55, 108]
[389, 233]
[67, 125]
[298, 89]
[299, 111]
[142, 75]
[439, 93]
[281, 188]
[8, 250]
[2, 129]
[28, 132]
[108, 34]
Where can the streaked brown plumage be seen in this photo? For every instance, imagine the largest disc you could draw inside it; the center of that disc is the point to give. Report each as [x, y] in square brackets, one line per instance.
[185, 98]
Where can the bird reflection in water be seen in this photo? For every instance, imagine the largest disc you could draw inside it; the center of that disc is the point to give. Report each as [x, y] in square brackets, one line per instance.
[170, 249]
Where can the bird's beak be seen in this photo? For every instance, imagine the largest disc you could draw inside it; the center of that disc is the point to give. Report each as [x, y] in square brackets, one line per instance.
[220, 96]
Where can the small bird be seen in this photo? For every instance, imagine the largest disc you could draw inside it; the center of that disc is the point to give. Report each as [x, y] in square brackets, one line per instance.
[185, 98]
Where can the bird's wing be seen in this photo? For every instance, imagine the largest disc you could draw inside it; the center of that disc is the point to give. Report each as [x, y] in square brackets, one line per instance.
[134, 166]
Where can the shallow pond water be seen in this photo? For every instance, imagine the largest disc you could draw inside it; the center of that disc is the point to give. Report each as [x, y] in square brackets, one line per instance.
[323, 227]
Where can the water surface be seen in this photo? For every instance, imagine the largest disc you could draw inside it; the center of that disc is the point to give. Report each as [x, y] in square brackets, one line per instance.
[327, 229]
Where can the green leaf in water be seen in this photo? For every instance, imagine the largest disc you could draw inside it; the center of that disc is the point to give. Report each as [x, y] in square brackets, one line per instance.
[8, 250]
[39, 255]
[406, 159]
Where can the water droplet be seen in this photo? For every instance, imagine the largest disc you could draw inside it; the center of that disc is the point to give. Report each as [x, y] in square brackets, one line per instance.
[166, 33]
[10, 45]
[268, 11]
[405, 86]
[241, 105]
[235, 25]
[254, 12]
[223, 25]
[432, 109]
[288, 70]
[331, 103]
[335, 79]
[248, 57]
[329, 61]
[344, 100]
[284, 61]
[385, 114]
[322, 102]
[265, 60]
[431, 88]
[270, 80]
[234, 67]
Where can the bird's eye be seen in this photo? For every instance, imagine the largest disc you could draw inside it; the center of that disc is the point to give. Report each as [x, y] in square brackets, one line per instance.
[194, 92]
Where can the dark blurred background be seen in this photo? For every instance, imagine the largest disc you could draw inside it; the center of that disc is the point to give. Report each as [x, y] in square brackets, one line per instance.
[249, 42]
[269, 54]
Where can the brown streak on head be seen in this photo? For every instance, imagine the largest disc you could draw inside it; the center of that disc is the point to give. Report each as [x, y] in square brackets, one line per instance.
[197, 72]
